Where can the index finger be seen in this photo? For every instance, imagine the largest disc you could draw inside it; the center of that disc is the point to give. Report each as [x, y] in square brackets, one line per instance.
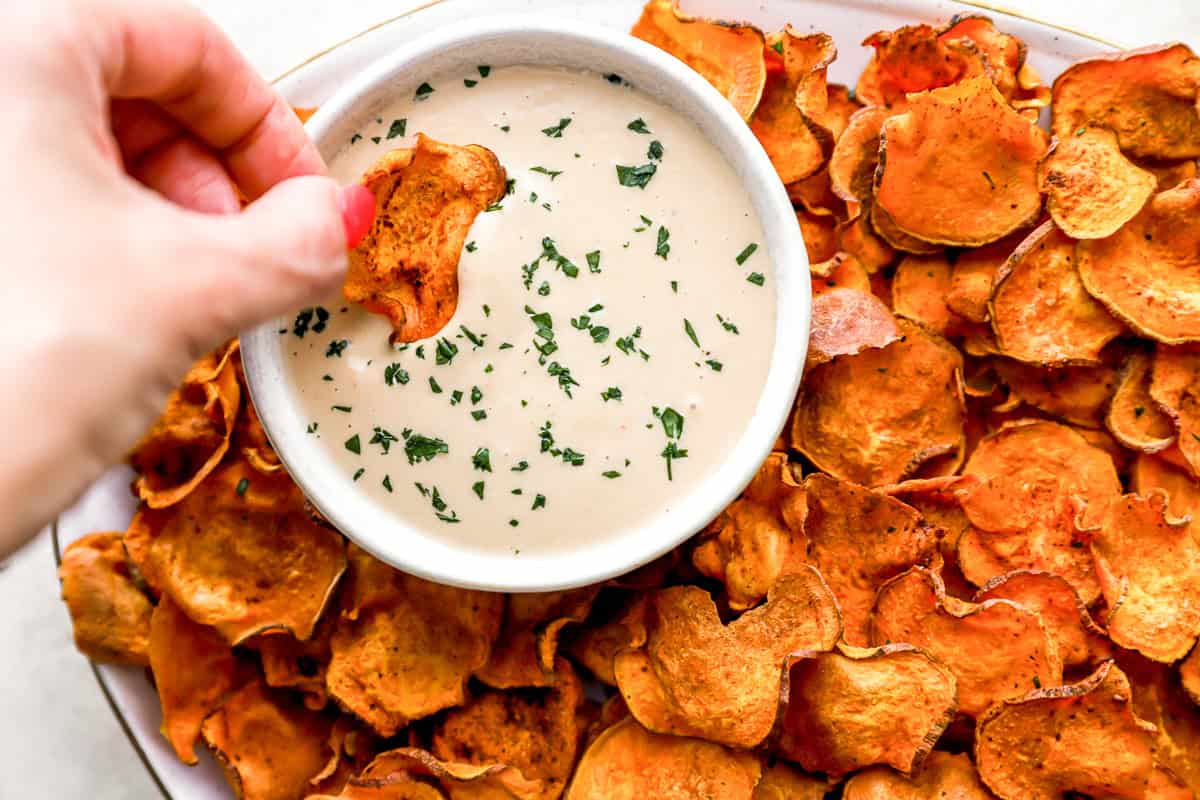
[173, 55]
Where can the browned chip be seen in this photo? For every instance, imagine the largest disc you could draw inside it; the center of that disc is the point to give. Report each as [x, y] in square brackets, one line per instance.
[628, 762]
[241, 554]
[912, 59]
[595, 645]
[1162, 701]
[841, 271]
[293, 664]
[536, 731]
[842, 105]
[919, 290]
[856, 707]
[728, 55]
[1091, 188]
[1170, 173]
[1034, 477]
[269, 744]
[1149, 568]
[1189, 675]
[191, 437]
[995, 649]
[894, 235]
[857, 237]
[404, 647]
[409, 773]
[110, 615]
[794, 100]
[938, 500]
[426, 199]
[1147, 97]
[1175, 388]
[959, 167]
[523, 655]
[820, 235]
[856, 154]
[814, 194]
[1078, 395]
[758, 537]
[1041, 312]
[1133, 417]
[848, 321]
[859, 538]
[1148, 272]
[1183, 491]
[1005, 58]
[875, 417]
[1080, 641]
[974, 274]
[1083, 737]
[782, 782]
[942, 777]
[695, 676]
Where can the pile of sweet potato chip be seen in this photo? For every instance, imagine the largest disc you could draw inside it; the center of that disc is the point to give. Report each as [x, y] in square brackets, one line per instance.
[970, 570]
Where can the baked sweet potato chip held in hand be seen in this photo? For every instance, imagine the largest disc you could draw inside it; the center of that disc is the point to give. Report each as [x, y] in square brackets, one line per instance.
[960, 166]
[109, 613]
[1147, 97]
[628, 762]
[1148, 272]
[696, 676]
[855, 707]
[727, 54]
[426, 198]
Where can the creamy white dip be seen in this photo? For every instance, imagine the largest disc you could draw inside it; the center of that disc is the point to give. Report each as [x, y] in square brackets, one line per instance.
[615, 322]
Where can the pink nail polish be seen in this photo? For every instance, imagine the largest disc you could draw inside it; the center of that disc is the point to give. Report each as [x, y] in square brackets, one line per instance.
[358, 212]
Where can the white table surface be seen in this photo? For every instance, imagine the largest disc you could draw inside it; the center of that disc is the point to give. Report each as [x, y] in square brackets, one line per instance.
[58, 738]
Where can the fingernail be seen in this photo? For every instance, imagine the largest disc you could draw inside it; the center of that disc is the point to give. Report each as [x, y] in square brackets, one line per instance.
[358, 212]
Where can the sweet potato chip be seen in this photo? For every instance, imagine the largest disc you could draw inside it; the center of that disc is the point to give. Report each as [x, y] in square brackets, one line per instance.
[815, 195]
[1183, 491]
[875, 417]
[794, 99]
[841, 271]
[1170, 174]
[695, 676]
[959, 167]
[1147, 97]
[820, 236]
[191, 437]
[1189, 675]
[728, 55]
[194, 669]
[781, 782]
[758, 537]
[1091, 188]
[1162, 701]
[913, 59]
[1035, 475]
[1039, 309]
[857, 237]
[1077, 395]
[595, 644]
[841, 106]
[1005, 57]
[1148, 272]
[523, 655]
[995, 649]
[855, 707]
[1175, 388]
[241, 554]
[409, 773]
[895, 236]
[536, 731]
[938, 502]
[974, 274]
[859, 538]
[1149, 567]
[943, 776]
[846, 322]
[404, 647]
[1133, 417]
[1083, 737]
[1080, 641]
[293, 664]
[856, 154]
[426, 199]
[110, 615]
[628, 762]
[269, 745]
[919, 290]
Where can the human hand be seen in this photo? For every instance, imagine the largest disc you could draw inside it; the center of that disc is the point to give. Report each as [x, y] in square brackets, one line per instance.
[130, 127]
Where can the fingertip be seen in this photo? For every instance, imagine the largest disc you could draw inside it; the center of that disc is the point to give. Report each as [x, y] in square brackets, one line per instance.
[357, 204]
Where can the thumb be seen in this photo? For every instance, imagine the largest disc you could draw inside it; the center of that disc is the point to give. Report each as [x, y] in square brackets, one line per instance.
[285, 250]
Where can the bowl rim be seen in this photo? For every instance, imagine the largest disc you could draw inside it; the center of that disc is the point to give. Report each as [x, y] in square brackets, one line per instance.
[383, 535]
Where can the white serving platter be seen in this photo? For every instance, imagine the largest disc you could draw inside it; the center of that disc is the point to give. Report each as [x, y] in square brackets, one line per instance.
[108, 505]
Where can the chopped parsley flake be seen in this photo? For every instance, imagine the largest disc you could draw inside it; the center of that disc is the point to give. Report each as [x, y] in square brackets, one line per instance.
[547, 445]
[506, 128]
[756, 278]
[747, 251]
[420, 351]
[376, 139]
[727, 325]
[423, 448]
[655, 152]
[636, 177]
[312, 427]
[434, 386]
[715, 365]
[539, 501]
[638, 126]
[778, 47]
[482, 460]
[336, 348]
[395, 374]
[242, 486]
[513, 523]
[398, 128]
[343, 409]
[675, 287]
[553, 173]
[470, 84]
[387, 483]
[593, 261]
[456, 397]
[612, 473]
[358, 473]
[475, 339]
[556, 131]
[424, 90]
[672, 422]
[471, 246]
[611, 393]
[663, 249]
[476, 395]
[672, 452]
[521, 466]
[479, 415]
[477, 488]
[690, 331]
[446, 351]
[494, 207]
[354, 445]
[484, 70]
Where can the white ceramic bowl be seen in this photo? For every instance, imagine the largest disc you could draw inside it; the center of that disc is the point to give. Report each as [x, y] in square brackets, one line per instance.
[504, 41]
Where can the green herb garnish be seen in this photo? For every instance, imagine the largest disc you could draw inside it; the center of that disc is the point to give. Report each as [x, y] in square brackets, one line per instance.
[477, 488]
[478, 415]
[424, 90]
[715, 365]
[395, 374]
[336, 348]
[756, 278]
[353, 445]
[476, 340]
[343, 409]
[446, 351]
[611, 393]
[727, 325]
[539, 501]
[398, 128]
[434, 386]
[747, 251]
[638, 126]
[423, 448]
[484, 70]
[655, 152]
[358, 473]
[242, 486]
[482, 460]
[663, 249]
[690, 331]
[612, 473]
[556, 131]
[387, 483]
[521, 466]
[636, 176]
[553, 173]
[593, 261]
